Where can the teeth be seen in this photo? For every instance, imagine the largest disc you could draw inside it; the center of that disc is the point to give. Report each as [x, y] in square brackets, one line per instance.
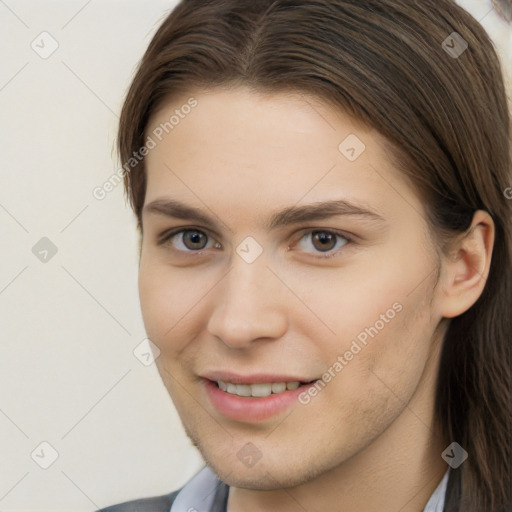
[257, 390]
[279, 387]
[243, 390]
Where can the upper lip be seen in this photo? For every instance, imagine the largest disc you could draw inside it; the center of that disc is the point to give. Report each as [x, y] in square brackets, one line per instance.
[253, 378]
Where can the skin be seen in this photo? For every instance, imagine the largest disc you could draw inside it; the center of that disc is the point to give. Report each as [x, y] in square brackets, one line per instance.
[368, 440]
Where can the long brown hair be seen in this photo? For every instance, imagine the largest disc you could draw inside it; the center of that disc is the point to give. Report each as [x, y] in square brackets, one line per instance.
[439, 100]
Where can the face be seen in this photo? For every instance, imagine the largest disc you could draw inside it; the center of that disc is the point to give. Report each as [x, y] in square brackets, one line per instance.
[281, 248]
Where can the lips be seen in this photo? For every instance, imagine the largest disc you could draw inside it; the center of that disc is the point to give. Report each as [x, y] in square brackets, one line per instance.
[267, 396]
[254, 378]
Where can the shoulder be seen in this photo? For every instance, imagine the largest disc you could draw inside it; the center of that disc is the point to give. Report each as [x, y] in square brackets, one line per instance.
[154, 504]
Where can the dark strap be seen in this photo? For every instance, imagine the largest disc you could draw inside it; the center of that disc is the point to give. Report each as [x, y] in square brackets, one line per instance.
[453, 491]
[220, 502]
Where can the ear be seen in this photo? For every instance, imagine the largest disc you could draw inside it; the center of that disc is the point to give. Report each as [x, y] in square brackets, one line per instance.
[466, 267]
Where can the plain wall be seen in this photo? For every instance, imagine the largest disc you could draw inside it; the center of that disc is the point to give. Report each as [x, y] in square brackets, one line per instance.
[70, 321]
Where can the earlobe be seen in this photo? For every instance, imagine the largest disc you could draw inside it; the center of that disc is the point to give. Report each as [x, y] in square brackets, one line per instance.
[467, 267]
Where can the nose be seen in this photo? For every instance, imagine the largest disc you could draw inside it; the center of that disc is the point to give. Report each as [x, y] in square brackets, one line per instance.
[249, 305]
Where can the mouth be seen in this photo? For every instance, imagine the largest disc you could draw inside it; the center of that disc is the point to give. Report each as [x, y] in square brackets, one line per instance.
[259, 390]
[248, 399]
[255, 396]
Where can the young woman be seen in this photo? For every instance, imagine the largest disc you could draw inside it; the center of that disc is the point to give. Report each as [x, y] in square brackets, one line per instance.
[323, 194]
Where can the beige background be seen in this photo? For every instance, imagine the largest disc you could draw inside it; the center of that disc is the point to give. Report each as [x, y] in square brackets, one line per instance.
[70, 323]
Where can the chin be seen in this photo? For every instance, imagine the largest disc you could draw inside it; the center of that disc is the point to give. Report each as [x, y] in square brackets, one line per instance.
[258, 479]
[263, 476]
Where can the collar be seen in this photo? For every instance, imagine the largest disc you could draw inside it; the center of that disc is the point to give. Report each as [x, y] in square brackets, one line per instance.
[206, 493]
[199, 493]
[436, 501]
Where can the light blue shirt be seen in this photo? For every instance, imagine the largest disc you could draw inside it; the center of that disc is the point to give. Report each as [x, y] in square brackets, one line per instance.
[198, 494]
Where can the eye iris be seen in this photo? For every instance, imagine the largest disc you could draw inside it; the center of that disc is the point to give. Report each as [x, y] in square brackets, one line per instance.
[327, 240]
[194, 239]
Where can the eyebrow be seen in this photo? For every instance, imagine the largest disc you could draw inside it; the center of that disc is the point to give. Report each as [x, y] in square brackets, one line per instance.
[287, 216]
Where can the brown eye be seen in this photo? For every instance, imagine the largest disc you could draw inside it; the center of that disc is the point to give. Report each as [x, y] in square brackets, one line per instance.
[188, 240]
[324, 240]
[194, 240]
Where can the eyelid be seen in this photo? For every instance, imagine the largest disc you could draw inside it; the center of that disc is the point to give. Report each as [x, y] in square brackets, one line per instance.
[343, 234]
[166, 235]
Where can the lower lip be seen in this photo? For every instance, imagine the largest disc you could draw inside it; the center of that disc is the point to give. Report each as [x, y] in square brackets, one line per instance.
[240, 408]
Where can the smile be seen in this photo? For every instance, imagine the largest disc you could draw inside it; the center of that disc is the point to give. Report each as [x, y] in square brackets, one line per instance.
[249, 402]
[257, 390]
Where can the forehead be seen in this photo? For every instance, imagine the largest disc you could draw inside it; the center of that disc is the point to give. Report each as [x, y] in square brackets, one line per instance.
[249, 149]
[261, 122]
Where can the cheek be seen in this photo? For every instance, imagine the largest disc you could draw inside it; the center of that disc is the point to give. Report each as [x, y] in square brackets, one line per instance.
[384, 327]
[170, 300]
[384, 302]
[385, 368]
[376, 384]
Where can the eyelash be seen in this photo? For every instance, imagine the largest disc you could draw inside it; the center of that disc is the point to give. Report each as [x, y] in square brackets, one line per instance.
[166, 237]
